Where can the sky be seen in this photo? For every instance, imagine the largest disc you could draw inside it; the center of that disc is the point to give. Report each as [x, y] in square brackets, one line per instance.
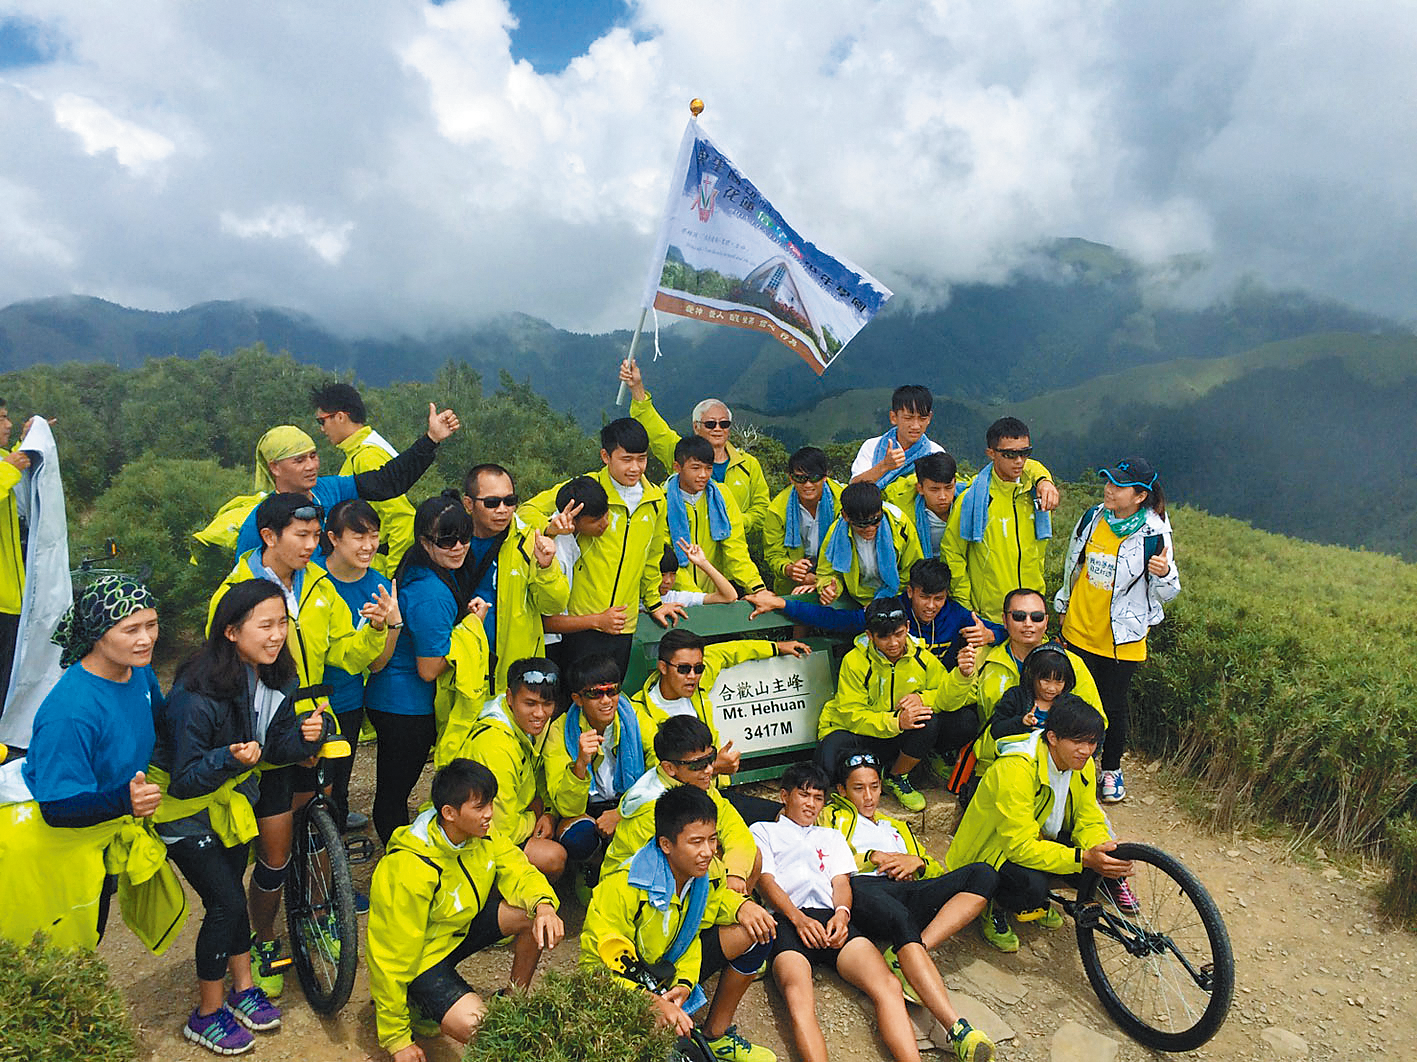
[403, 165]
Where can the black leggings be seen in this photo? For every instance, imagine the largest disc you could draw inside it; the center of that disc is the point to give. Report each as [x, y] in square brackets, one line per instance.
[943, 732]
[897, 911]
[1113, 678]
[404, 744]
[215, 873]
[338, 771]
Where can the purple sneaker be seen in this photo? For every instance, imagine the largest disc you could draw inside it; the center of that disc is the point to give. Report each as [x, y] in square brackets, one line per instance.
[218, 1033]
[254, 1009]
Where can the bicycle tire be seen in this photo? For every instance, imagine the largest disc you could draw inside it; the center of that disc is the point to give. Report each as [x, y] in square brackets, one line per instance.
[1137, 963]
[319, 911]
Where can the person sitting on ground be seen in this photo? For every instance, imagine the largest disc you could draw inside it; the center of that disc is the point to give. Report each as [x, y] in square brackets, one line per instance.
[903, 895]
[505, 739]
[339, 411]
[806, 880]
[1036, 816]
[288, 463]
[667, 906]
[702, 512]
[888, 457]
[738, 471]
[856, 558]
[510, 566]
[999, 527]
[798, 518]
[683, 685]
[594, 753]
[423, 922]
[686, 754]
[886, 696]
[723, 592]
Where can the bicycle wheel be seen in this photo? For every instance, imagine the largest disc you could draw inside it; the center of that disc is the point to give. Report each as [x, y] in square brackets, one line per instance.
[1165, 973]
[319, 910]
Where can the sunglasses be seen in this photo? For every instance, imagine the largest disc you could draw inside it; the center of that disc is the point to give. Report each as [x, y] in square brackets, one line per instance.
[308, 512]
[1014, 455]
[803, 477]
[712, 424]
[321, 418]
[699, 763]
[870, 521]
[450, 539]
[689, 669]
[539, 678]
[1018, 615]
[600, 693]
[490, 502]
[862, 759]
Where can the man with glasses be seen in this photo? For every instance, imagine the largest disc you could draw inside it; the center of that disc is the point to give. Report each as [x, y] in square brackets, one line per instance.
[339, 411]
[797, 518]
[738, 471]
[999, 527]
[512, 567]
[868, 550]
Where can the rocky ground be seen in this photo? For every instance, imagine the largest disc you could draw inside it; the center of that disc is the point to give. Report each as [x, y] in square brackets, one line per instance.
[1320, 974]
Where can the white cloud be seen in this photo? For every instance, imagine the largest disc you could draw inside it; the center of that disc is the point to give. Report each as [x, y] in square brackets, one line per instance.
[435, 178]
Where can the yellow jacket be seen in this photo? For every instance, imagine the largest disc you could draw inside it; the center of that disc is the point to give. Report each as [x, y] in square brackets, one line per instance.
[1009, 556]
[567, 794]
[365, 451]
[620, 567]
[425, 893]
[907, 552]
[736, 846]
[729, 556]
[12, 559]
[461, 691]
[525, 592]
[868, 688]
[222, 530]
[778, 555]
[507, 751]
[1013, 802]
[743, 478]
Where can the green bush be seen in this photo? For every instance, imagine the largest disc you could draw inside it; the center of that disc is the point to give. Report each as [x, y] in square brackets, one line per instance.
[582, 1016]
[1400, 892]
[60, 1006]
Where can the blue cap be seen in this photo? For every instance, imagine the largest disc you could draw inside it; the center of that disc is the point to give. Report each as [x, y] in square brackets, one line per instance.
[1133, 472]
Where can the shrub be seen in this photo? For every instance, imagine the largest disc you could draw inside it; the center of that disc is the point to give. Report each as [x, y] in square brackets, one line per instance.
[60, 1006]
[582, 1016]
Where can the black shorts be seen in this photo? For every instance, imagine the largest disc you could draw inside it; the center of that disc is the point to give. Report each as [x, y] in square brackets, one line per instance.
[788, 940]
[711, 958]
[279, 786]
[437, 988]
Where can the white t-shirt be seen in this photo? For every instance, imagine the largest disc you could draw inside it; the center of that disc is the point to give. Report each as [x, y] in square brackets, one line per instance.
[937, 533]
[1059, 781]
[866, 555]
[811, 539]
[631, 496]
[602, 768]
[869, 836]
[803, 859]
[679, 706]
[866, 456]
[568, 551]
[687, 598]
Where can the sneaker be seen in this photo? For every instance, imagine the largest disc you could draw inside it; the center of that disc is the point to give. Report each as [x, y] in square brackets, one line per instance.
[1114, 791]
[898, 786]
[970, 1044]
[355, 821]
[893, 962]
[939, 766]
[1120, 893]
[327, 933]
[267, 967]
[732, 1046]
[994, 924]
[586, 878]
[253, 1009]
[361, 902]
[218, 1033]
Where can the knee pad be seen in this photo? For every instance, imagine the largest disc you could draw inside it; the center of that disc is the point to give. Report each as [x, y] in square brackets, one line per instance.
[269, 879]
[752, 961]
[580, 839]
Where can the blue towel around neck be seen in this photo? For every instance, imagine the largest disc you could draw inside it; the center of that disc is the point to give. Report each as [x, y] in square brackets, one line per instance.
[974, 510]
[649, 870]
[792, 526]
[720, 527]
[629, 750]
[918, 449]
[922, 523]
[840, 542]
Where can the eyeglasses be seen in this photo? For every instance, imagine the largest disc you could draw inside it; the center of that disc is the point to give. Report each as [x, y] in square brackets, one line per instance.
[698, 763]
[451, 539]
[490, 502]
[600, 693]
[869, 521]
[803, 477]
[320, 418]
[1014, 455]
[539, 678]
[689, 669]
[727, 422]
[1018, 615]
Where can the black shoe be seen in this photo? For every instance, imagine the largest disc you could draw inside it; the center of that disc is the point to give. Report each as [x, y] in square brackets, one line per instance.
[355, 821]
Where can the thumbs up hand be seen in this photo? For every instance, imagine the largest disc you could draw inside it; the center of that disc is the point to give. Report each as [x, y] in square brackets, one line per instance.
[1160, 564]
[977, 634]
[143, 795]
[312, 727]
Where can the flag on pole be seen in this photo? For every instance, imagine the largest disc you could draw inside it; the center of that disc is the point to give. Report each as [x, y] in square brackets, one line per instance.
[725, 256]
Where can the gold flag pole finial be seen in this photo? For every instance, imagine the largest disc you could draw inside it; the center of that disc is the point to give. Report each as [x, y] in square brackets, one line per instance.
[696, 107]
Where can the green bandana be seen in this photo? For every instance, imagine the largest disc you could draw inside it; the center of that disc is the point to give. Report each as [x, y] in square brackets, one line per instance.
[100, 606]
[1124, 526]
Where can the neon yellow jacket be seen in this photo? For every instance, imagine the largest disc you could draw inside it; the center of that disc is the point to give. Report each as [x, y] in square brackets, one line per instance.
[425, 894]
[1013, 802]
[619, 909]
[841, 815]
[365, 451]
[729, 556]
[620, 567]
[507, 751]
[1009, 556]
[778, 555]
[525, 592]
[223, 528]
[901, 491]
[736, 846]
[743, 478]
[461, 691]
[12, 560]
[568, 795]
[717, 656]
[907, 552]
[868, 688]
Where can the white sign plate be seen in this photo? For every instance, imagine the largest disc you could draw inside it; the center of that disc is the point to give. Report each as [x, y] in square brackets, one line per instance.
[765, 706]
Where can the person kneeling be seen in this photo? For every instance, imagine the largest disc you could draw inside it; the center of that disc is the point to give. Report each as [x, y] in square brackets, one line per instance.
[422, 923]
[669, 904]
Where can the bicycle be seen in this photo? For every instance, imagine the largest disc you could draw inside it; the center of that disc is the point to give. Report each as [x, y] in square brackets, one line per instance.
[1165, 972]
[319, 908]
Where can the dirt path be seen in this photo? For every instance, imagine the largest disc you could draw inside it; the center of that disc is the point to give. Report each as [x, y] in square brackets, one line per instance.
[1319, 973]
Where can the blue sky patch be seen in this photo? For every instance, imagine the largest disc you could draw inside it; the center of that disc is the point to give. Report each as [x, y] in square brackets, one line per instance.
[550, 33]
[25, 43]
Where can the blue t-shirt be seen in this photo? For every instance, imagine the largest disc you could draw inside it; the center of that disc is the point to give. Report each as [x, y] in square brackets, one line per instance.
[328, 491]
[487, 588]
[91, 735]
[346, 690]
[720, 470]
[429, 614]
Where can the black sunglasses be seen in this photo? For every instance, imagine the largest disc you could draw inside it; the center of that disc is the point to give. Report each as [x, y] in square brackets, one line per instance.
[597, 693]
[870, 521]
[1018, 615]
[308, 512]
[689, 669]
[699, 763]
[1014, 455]
[449, 539]
[491, 502]
[862, 759]
[803, 477]
[712, 424]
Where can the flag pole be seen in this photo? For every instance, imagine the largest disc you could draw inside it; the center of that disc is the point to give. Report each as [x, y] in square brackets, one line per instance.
[696, 108]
